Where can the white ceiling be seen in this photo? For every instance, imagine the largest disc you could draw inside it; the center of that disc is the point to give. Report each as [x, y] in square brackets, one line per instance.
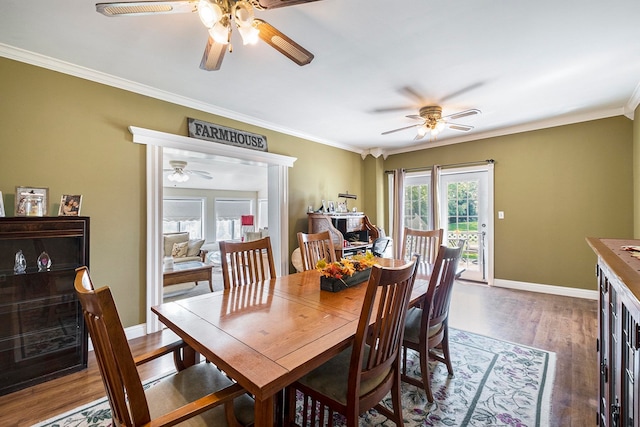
[525, 64]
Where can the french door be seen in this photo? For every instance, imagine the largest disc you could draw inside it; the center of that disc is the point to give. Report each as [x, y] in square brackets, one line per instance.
[464, 214]
[465, 199]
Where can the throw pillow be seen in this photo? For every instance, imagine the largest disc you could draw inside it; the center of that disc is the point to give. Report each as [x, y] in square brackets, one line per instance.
[193, 249]
[179, 250]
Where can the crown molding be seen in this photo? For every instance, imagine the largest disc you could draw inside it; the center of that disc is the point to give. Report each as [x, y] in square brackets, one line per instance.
[68, 68]
[632, 104]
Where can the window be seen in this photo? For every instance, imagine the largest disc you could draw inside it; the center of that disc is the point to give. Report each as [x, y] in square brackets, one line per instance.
[416, 201]
[228, 213]
[183, 214]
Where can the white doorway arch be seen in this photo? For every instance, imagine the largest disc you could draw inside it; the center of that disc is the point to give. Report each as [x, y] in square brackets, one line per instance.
[278, 177]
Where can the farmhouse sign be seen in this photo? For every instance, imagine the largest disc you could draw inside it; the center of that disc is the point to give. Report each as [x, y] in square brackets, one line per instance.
[216, 133]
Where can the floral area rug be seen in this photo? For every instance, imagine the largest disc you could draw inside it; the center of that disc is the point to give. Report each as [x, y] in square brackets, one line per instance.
[495, 383]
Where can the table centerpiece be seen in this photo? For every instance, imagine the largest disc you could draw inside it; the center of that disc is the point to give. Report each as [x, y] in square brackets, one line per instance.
[348, 272]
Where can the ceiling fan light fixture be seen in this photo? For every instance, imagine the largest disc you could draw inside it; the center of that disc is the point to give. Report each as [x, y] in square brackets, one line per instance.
[209, 12]
[243, 14]
[178, 176]
[249, 34]
[220, 32]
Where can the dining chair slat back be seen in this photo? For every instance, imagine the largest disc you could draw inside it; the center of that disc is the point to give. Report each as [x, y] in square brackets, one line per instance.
[427, 325]
[314, 247]
[246, 262]
[208, 392]
[359, 378]
[422, 242]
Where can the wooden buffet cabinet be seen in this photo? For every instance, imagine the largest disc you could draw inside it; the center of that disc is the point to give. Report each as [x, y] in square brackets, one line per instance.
[618, 342]
[354, 228]
[42, 331]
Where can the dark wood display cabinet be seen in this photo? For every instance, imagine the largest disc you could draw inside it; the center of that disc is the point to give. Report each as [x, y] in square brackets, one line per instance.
[618, 273]
[42, 331]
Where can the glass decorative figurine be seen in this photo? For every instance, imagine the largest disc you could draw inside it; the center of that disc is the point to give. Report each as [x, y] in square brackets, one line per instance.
[20, 267]
[44, 262]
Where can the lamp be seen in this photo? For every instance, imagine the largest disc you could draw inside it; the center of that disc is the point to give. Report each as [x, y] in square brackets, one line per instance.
[433, 122]
[178, 176]
[217, 18]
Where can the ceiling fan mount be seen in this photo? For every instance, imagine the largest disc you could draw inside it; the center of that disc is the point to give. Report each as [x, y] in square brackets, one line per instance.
[219, 17]
[433, 122]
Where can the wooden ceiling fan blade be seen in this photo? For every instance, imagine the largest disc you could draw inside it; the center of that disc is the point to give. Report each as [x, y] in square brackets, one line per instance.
[213, 55]
[399, 129]
[272, 4]
[459, 127]
[146, 7]
[283, 44]
[461, 114]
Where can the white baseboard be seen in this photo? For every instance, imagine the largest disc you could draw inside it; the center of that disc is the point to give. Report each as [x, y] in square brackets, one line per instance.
[546, 289]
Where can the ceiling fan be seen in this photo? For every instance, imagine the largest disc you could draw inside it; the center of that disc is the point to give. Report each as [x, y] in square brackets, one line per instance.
[433, 122]
[180, 173]
[217, 16]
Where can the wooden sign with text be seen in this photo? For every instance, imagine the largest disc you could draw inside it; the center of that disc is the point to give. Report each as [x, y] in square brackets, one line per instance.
[216, 133]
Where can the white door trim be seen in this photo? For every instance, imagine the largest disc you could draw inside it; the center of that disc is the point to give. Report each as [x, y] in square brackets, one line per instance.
[278, 172]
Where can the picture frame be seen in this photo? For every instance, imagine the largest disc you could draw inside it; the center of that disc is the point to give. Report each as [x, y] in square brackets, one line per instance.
[70, 205]
[2, 213]
[32, 201]
[332, 206]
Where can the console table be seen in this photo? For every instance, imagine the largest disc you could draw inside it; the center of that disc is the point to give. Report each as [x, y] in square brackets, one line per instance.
[354, 228]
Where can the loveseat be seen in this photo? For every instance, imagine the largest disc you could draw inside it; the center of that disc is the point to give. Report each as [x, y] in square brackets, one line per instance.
[182, 249]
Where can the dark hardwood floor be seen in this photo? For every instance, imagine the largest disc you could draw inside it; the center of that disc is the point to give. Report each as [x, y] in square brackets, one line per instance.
[566, 326]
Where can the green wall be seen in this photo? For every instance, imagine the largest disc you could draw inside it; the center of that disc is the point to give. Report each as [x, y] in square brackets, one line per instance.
[556, 187]
[71, 135]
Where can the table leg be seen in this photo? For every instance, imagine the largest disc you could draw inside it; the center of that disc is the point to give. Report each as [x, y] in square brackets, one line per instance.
[264, 412]
[185, 358]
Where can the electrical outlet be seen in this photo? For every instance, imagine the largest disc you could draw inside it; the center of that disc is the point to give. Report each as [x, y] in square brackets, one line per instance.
[500, 214]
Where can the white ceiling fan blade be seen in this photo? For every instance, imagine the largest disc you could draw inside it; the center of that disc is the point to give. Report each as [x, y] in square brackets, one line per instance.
[213, 55]
[146, 7]
[415, 116]
[202, 174]
[399, 129]
[283, 44]
[465, 113]
[459, 127]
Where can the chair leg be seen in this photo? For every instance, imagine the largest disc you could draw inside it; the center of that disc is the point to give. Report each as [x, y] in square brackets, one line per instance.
[445, 350]
[426, 375]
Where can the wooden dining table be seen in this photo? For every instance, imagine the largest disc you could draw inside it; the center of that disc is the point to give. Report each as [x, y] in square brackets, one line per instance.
[268, 334]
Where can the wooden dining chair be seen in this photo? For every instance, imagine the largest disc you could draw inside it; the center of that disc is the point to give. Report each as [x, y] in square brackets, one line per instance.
[427, 325]
[422, 242]
[246, 262]
[200, 394]
[358, 378]
[314, 247]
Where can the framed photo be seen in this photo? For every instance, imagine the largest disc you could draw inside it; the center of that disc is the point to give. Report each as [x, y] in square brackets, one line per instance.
[2, 214]
[32, 201]
[70, 205]
[332, 206]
